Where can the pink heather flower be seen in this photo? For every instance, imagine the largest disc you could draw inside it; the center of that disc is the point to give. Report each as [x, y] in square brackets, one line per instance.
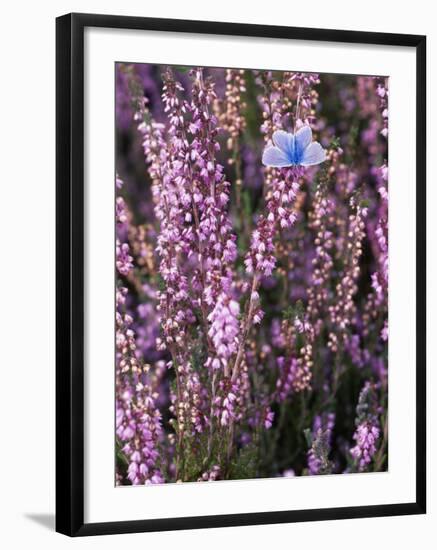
[211, 475]
[118, 182]
[317, 456]
[120, 211]
[123, 259]
[367, 430]
[224, 328]
[268, 420]
[366, 437]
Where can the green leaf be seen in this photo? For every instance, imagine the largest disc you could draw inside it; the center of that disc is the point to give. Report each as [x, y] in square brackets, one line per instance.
[308, 437]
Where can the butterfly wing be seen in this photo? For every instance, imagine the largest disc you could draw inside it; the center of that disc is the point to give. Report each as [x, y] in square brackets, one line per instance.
[284, 141]
[275, 157]
[313, 154]
[303, 138]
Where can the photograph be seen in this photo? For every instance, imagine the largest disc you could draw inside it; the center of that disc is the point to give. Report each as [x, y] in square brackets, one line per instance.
[219, 243]
[251, 274]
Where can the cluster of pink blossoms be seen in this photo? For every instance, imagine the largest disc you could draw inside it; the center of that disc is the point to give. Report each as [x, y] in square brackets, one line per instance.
[366, 438]
[367, 431]
[138, 420]
[318, 455]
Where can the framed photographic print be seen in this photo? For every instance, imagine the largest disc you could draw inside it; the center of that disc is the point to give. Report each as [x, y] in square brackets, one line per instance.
[240, 274]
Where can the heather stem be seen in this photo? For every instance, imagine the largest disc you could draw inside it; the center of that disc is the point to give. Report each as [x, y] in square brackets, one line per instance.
[246, 327]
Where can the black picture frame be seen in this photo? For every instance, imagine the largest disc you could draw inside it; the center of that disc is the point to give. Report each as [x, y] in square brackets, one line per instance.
[70, 273]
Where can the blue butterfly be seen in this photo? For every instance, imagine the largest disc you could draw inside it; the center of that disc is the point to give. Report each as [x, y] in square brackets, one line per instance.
[293, 149]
